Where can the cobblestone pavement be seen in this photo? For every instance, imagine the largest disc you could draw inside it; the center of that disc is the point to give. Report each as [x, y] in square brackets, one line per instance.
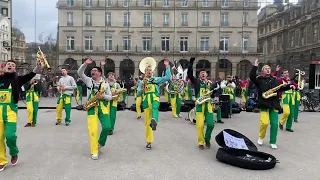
[49, 152]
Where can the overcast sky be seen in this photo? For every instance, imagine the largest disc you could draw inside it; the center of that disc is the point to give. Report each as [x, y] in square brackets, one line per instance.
[46, 18]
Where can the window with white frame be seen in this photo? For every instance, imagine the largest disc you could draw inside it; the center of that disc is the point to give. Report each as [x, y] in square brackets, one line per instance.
[70, 43]
[317, 77]
[88, 3]
[108, 19]
[88, 19]
[205, 3]
[126, 43]
[205, 19]
[184, 3]
[184, 19]
[224, 44]
[224, 3]
[183, 44]
[147, 19]
[88, 43]
[70, 19]
[245, 3]
[245, 44]
[126, 3]
[70, 3]
[204, 44]
[146, 44]
[108, 3]
[165, 19]
[165, 3]
[108, 43]
[165, 41]
[245, 18]
[224, 19]
[147, 2]
[126, 19]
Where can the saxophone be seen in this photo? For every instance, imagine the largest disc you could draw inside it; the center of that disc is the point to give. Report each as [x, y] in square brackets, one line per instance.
[93, 101]
[205, 98]
[272, 92]
[300, 80]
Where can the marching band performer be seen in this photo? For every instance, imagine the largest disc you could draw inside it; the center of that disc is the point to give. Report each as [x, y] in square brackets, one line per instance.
[228, 87]
[269, 105]
[114, 86]
[188, 91]
[124, 93]
[32, 98]
[138, 98]
[79, 90]
[10, 85]
[244, 90]
[66, 86]
[217, 108]
[149, 88]
[297, 95]
[204, 112]
[175, 102]
[97, 84]
[288, 102]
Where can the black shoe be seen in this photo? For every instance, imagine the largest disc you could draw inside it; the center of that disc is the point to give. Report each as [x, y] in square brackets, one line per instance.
[289, 130]
[219, 121]
[208, 145]
[111, 132]
[281, 126]
[153, 124]
[67, 124]
[148, 146]
[58, 123]
[296, 121]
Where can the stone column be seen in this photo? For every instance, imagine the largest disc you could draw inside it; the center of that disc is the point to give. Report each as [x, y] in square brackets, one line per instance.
[234, 69]
[213, 72]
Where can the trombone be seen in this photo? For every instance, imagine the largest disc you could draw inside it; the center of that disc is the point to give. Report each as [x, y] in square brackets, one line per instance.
[41, 58]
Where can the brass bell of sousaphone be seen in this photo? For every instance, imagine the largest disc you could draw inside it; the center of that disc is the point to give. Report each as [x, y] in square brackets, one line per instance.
[147, 62]
[177, 85]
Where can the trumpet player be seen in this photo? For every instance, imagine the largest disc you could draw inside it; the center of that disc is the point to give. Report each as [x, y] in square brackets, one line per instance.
[204, 111]
[114, 86]
[149, 89]
[66, 87]
[10, 85]
[270, 105]
[100, 112]
[32, 98]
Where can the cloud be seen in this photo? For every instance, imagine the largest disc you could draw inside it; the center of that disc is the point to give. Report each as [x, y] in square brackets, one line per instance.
[35, 18]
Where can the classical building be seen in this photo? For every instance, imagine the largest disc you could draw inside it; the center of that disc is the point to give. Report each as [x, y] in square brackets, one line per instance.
[289, 35]
[5, 37]
[221, 34]
[19, 46]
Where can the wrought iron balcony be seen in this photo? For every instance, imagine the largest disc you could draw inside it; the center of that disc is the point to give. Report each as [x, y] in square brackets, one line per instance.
[154, 49]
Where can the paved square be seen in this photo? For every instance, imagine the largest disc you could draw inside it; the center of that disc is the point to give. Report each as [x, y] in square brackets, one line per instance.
[49, 152]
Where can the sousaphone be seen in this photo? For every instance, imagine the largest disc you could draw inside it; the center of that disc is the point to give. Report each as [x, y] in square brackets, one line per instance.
[177, 85]
[147, 62]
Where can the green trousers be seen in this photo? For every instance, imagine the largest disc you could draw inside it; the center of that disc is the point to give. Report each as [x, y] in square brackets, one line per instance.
[269, 116]
[175, 104]
[230, 104]
[151, 106]
[296, 106]
[204, 113]
[124, 96]
[113, 116]
[218, 112]
[79, 93]
[64, 102]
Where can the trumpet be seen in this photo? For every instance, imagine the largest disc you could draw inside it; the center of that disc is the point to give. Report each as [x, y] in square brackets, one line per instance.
[41, 58]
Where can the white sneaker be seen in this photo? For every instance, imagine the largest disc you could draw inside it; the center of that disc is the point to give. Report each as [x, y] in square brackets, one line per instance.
[273, 146]
[3, 168]
[94, 156]
[175, 116]
[179, 116]
[260, 142]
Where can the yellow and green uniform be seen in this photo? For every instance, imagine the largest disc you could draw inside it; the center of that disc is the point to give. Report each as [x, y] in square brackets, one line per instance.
[79, 91]
[244, 93]
[95, 114]
[204, 113]
[297, 96]
[113, 106]
[151, 101]
[175, 104]
[64, 101]
[288, 106]
[32, 101]
[230, 91]
[8, 124]
[188, 92]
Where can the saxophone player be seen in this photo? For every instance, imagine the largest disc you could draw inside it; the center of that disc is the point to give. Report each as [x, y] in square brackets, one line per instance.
[204, 111]
[66, 87]
[100, 112]
[228, 87]
[269, 107]
[32, 98]
[149, 88]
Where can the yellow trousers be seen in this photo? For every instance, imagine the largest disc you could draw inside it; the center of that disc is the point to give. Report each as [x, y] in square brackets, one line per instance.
[138, 105]
[204, 113]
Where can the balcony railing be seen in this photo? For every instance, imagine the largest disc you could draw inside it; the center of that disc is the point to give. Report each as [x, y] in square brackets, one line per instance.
[155, 49]
[155, 4]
